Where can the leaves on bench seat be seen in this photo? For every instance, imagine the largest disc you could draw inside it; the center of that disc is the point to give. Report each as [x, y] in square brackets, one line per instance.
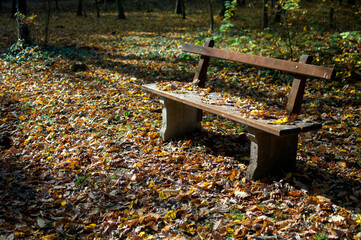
[246, 106]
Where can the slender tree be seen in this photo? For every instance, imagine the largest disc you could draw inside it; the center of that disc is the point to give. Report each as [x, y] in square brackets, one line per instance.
[47, 11]
[23, 28]
[265, 14]
[97, 8]
[180, 8]
[81, 8]
[211, 25]
[13, 8]
[120, 9]
[331, 14]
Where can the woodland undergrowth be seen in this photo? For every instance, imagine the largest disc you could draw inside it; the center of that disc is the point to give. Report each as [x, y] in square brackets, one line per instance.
[86, 161]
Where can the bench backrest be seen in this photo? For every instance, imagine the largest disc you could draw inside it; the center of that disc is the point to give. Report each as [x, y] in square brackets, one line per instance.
[301, 69]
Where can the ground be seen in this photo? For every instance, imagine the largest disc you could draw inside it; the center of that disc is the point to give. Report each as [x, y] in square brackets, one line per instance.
[86, 159]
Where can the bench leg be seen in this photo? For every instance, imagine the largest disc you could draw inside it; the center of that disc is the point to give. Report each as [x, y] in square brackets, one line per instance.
[178, 119]
[271, 154]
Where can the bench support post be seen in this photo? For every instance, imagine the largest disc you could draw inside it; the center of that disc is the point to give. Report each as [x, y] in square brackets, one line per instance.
[178, 119]
[271, 154]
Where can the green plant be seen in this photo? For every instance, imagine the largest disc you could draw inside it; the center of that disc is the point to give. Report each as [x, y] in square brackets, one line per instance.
[80, 180]
[320, 236]
[228, 14]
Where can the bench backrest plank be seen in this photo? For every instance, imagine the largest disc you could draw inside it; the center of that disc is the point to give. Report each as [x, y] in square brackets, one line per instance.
[302, 69]
[297, 68]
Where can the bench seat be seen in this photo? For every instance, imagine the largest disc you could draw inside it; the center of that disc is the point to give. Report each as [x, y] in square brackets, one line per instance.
[195, 100]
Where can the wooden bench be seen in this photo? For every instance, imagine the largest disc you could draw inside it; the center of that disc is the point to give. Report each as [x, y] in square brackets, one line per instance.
[273, 146]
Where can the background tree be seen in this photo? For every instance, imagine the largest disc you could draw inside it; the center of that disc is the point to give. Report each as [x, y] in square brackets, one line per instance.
[180, 8]
[13, 8]
[211, 19]
[23, 28]
[120, 9]
[265, 14]
[81, 8]
[57, 5]
[97, 7]
[47, 11]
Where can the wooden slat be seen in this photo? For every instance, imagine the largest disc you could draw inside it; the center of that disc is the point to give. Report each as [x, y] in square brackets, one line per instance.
[295, 98]
[193, 99]
[201, 72]
[277, 64]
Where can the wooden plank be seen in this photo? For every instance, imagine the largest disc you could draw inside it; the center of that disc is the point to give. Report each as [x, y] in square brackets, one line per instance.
[201, 72]
[298, 89]
[193, 99]
[272, 63]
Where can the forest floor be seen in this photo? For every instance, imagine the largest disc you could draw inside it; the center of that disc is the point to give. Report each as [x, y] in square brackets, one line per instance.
[86, 160]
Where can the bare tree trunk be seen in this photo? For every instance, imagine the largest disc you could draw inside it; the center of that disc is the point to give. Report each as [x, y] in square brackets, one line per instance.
[56, 5]
[265, 14]
[80, 8]
[223, 8]
[211, 27]
[180, 8]
[106, 5]
[183, 10]
[278, 14]
[13, 8]
[97, 8]
[120, 9]
[331, 14]
[47, 22]
[23, 28]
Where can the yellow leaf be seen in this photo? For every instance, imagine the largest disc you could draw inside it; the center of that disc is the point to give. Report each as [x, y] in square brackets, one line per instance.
[22, 118]
[63, 203]
[91, 226]
[50, 237]
[280, 121]
[163, 195]
[141, 234]
[358, 221]
[131, 205]
[151, 184]
[19, 234]
[171, 214]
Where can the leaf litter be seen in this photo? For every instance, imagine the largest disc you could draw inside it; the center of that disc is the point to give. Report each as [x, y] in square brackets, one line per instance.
[86, 159]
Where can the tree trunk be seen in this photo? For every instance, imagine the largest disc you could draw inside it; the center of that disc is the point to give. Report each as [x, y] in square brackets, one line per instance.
[97, 8]
[278, 14]
[331, 15]
[265, 14]
[22, 7]
[106, 5]
[80, 8]
[23, 28]
[180, 8]
[223, 8]
[56, 5]
[13, 8]
[211, 27]
[47, 23]
[120, 9]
